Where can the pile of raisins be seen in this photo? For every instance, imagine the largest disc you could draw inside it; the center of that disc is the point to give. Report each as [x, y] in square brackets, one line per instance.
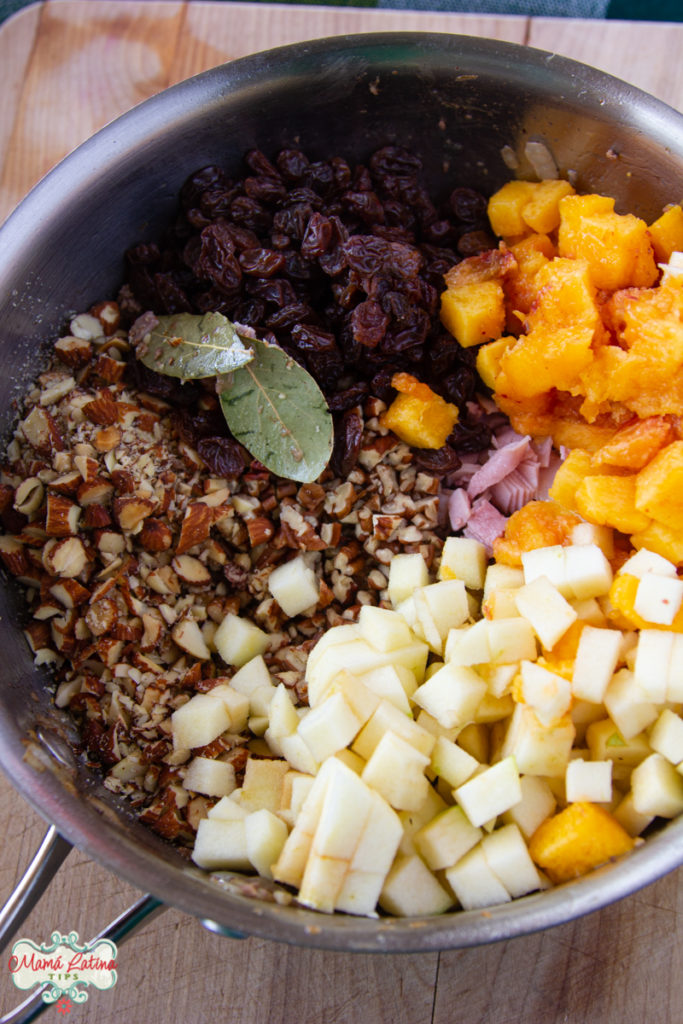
[341, 266]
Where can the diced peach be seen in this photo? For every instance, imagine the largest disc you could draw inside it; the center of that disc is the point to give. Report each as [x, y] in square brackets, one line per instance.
[611, 501]
[622, 613]
[474, 313]
[505, 208]
[662, 540]
[577, 839]
[577, 465]
[659, 487]
[666, 233]
[542, 211]
[488, 360]
[418, 415]
[537, 524]
[635, 444]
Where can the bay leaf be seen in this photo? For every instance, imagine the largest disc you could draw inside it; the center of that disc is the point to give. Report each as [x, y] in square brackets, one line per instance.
[277, 411]
[190, 346]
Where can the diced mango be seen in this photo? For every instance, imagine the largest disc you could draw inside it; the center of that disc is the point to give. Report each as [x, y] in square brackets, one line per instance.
[474, 313]
[577, 465]
[616, 246]
[611, 501]
[666, 233]
[542, 211]
[581, 837]
[662, 540]
[659, 487]
[505, 208]
[521, 288]
[537, 524]
[418, 415]
[488, 360]
[635, 444]
[621, 610]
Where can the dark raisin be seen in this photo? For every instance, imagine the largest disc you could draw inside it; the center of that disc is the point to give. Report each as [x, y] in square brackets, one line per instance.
[467, 205]
[261, 262]
[223, 456]
[292, 164]
[317, 236]
[259, 163]
[369, 323]
[216, 260]
[265, 190]
[249, 213]
[208, 178]
[436, 460]
[348, 434]
[348, 398]
[474, 242]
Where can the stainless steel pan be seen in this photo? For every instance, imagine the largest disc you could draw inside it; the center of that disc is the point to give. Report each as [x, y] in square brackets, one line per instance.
[466, 105]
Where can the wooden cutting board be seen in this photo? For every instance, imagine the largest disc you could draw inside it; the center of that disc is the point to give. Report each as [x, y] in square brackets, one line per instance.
[68, 67]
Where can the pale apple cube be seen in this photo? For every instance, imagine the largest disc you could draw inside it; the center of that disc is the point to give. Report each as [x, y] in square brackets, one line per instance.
[227, 810]
[411, 890]
[199, 722]
[238, 640]
[391, 682]
[588, 573]
[591, 533]
[588, 610]
[360, 893]
[657, 787]
[474, 738]
[511, 640]
[507, 855]
[583, 713]
[345, 809]
[666, 736]
[538, 749]
[258, 724]
[645, 561]
[425, 623]
[491, 792]
[627, 704]
[252, 676]
[387, 718]
[210, 777]
[406, 573]
[360, 698]
[451, 763]
[474, 883]
[282, 714]
[221, 844]
[331, 638]
[651, 665]
[502, 577]
[549, 562]
[448, 604]
[412, 821]
[428, 722]
[468, 645]
[259, 701]
[236, 703]
[380, 838]
[351, 760]
[383, 628]
[550, 615]
[674, 688]
[629, 818]
[500, 604]
[605, 742]
[395, 770]
[446, 838]
[297, 753]
[547, 693]
[329, 727]
[538, 803]
[295, 788]
[493, 709]
[292, 861]
[498, 678]
[322, 882]
[451, 695]
[588, 780]
[596, 659]
[295, 586]
[262, 785]
[265, 836]
[464, 559]
[658, 598]
[358, 657]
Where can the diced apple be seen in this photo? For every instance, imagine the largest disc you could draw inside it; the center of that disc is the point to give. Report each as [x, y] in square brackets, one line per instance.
[238, 640]
[351, 760]
[331, 638]
[210, 777]
[588, 780]
[446, 838]
[322, 881]
[627, 704]
[411, 890]
[549, 562]
[507, 856]
[474, 883]
[588, 572]
[329, 727]
[605, 742]
[295, 586]
[199, 722]
[406, 572]
[291, 863]
[387, 718]
[657, 787]
[645, 561]
[674, 687]
[393, 683]
[588, 610]
[511, 640]
[547, 693]
[412, 821]
[383, 628]
[266, 835]
[491, 792]
[666, 736]
[468, 645]
[474, 738]
[295, 788]
[651, 666]
[500, 604]
[451, 763]
[221, 844]
[451, 695]
[395, 770]
[282, 714]
[372, 860]
[447, 602]
[541, 604]
[227, 810]
[253, 675]
[629, 818]
[493, 709]
[591, 533]
[537, 804]
[596, 659]
[538, 749]
[502, 577]
[361, 699]
[262, 785]
[498, 678]
[464, 559]
[298, 753]
[658, 598]
[358, 657]
[428, 722]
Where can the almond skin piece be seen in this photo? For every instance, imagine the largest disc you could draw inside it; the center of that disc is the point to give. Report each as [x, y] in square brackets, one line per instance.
[94, 492]
[65, 557]
[70, 593]
[130, 512]
[155, 535]
[107, 439]
[13, 555]
[195, 527]
[62, 516]
[73, 352]
[102, 410]
[191, 570]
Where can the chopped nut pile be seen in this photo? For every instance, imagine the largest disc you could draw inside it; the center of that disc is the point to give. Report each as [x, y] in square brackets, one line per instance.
[131, 554]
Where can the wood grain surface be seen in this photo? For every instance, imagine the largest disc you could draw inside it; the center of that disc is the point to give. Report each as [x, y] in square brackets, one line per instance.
[68, 67]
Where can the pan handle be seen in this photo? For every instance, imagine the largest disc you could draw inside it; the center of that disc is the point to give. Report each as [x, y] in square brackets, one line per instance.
[49, 857]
